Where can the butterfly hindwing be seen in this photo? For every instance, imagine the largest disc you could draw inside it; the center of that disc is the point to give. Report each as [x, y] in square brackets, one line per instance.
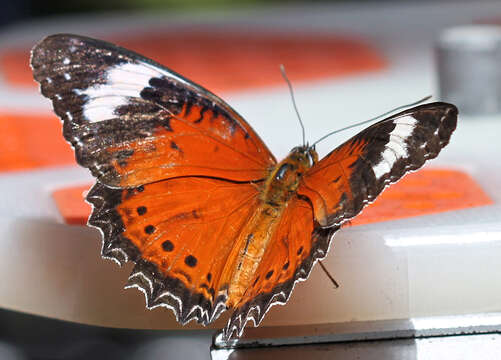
[132, 121]
[293, 250]
[355, 173]
[167, 228]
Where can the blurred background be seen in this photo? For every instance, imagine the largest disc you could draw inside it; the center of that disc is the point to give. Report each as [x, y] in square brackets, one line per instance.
[14, 11]
[349, 61]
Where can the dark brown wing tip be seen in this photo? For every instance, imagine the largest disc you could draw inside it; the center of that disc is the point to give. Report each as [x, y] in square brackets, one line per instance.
[256, 309]
[448, 124]
[437, 123]
[40, 51]
[158, 290]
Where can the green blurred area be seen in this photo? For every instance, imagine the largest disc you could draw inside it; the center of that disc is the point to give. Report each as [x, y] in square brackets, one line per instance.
[50, 7]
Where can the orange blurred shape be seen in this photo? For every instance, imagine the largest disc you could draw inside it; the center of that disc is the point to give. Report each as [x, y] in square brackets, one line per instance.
[233, 59]
[425, 192]
[428, 191]
[71, 204]
[32, 141]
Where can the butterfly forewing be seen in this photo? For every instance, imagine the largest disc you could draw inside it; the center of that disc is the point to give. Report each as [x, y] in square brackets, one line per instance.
[355, 173]
[133, 121]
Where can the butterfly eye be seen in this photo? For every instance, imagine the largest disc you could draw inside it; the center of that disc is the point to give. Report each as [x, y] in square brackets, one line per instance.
[312, 157]
[282, 171]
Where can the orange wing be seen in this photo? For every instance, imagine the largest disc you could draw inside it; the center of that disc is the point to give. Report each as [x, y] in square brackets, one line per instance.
[168, 228]
[176, 167]
[354, 174]
[133, 121]
[293, 250]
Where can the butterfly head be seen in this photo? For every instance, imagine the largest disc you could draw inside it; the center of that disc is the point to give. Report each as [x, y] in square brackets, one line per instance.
[299, 160]
[304, 156]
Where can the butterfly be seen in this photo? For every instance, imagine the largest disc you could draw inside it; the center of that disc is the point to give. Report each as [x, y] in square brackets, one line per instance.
[188, 191]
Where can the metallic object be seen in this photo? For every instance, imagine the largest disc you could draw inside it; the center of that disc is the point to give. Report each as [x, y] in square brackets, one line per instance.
[343, 338]
[469, 68]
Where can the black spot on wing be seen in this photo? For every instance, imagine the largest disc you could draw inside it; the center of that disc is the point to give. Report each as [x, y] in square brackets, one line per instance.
[268, 274]
[149, 229]
[145, 275]
[174, 146]
[167, 246]
[190, 260]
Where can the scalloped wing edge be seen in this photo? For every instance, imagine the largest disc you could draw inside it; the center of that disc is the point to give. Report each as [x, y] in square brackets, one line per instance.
[158, 290]
[256, 309]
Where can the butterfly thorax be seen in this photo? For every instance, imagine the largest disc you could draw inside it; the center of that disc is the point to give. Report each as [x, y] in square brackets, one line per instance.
[283, 180]
[279, 186]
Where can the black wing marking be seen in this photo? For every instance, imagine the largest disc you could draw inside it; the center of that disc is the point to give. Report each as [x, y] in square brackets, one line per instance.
[354, 174]
[108, 96]
[158, 288]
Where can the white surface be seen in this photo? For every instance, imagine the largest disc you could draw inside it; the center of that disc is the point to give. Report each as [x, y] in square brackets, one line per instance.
[471, 347]
[472, 38]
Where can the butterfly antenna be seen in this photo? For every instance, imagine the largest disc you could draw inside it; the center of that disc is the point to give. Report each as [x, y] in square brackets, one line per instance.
[372, 119]
[284, 75]
[331, 278]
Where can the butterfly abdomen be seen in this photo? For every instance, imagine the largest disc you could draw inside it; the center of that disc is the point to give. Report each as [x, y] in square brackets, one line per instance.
[278, 188]
[254, 239]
